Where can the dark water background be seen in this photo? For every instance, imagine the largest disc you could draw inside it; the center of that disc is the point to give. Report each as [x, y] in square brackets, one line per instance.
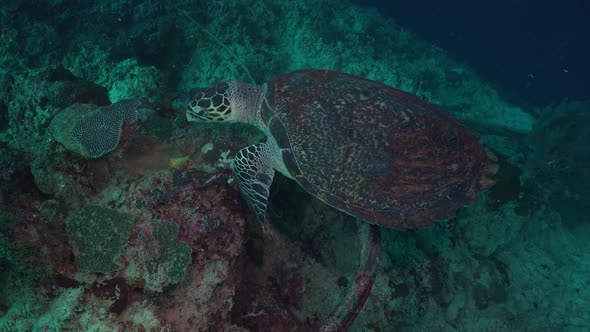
[536, 51]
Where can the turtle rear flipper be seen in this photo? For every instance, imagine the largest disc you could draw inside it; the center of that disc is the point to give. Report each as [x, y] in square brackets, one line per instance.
[254, 173]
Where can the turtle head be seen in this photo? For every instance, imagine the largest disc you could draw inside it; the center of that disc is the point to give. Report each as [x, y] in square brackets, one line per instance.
[231, 101]
[211, 105]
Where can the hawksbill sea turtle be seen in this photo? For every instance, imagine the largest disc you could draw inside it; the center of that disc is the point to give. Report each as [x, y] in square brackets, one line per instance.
[365, 148]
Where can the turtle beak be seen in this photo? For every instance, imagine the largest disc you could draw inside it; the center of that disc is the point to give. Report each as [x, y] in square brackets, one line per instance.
[190, 117]
[195, 113]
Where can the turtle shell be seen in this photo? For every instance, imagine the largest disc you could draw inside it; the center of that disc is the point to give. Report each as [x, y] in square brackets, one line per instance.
[373, 151]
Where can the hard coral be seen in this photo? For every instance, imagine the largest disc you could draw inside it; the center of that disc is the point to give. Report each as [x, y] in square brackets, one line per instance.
[93, 132]
[98, 236]
[155, 257]
[100, 131]
[174, 255]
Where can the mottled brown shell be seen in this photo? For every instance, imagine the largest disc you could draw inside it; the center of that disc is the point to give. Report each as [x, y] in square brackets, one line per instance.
[373, 151]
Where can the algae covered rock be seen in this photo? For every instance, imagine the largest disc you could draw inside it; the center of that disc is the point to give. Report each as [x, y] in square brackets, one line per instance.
[174, 255]
[98, 236]
[59, 184]
[159, 259]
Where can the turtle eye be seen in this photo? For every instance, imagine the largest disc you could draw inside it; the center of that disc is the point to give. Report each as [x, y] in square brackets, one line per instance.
[202, 112]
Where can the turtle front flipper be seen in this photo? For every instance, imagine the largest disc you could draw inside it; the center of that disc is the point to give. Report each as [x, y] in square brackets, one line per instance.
[254, 173]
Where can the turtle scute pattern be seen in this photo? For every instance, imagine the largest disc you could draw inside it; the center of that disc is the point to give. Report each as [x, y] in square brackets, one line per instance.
[373, 151]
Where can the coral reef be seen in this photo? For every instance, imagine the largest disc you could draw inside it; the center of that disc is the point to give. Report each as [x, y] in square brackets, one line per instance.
[117, 215]
[558, 168]
[93, 132]
[98, 236]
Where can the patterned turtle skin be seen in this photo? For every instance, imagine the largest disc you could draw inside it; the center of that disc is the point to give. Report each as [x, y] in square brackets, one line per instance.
[373, 151]
[365, 148]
